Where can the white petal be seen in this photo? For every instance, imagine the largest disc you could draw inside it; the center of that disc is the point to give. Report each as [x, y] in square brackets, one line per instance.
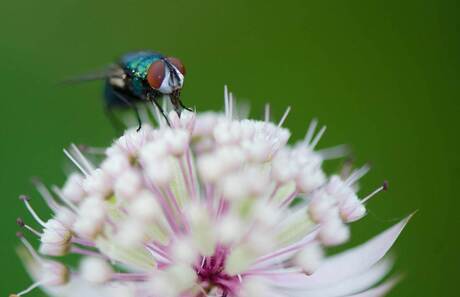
[78, 287]
[348, 264]
[380, 290]
[350, 286]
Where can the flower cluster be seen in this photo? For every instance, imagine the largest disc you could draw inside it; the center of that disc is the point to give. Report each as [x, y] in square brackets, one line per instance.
[208, 206]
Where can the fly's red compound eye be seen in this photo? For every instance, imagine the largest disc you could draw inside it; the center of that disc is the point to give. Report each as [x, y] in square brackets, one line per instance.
[177, 63]
[156, 74]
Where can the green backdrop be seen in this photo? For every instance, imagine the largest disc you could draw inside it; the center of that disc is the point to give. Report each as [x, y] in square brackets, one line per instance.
[383, 75]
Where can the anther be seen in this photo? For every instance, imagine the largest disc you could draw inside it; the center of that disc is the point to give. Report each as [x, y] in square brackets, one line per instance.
[24, 198]
[20, 222]
[385, 185]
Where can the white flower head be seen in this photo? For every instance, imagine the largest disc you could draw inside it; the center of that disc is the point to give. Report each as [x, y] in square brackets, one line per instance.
[209, 206]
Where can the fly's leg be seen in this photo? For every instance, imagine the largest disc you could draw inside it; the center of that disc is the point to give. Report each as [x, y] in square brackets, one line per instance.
[177, 103]
[132, 106]
[153, 99]
[185, 107]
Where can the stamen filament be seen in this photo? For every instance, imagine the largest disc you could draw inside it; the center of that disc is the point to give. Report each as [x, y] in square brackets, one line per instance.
[45, 193]
[311, 131]
[85, 252]
[21, 224]
[226, 102]
[31, 210]
[267, 113]
[383, 187]
[317, 137]
[334, 152]
[357, 174]
[289, 249]
[89, 167]
[71, 158]
[29, 248]
[192, 173]
[33, 286]
[286, 113]
[289, 199]
[129, 277]
[83, 242]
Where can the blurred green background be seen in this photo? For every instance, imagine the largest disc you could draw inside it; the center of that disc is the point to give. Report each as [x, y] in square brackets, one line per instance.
[383, 75]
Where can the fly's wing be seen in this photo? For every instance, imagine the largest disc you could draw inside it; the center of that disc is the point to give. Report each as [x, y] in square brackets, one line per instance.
[111, 71]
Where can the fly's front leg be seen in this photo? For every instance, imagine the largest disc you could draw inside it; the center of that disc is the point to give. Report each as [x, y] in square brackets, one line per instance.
[154, 99]
[177, 103]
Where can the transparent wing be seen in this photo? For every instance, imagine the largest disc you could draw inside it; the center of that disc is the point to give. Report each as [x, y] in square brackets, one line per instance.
[112, 70]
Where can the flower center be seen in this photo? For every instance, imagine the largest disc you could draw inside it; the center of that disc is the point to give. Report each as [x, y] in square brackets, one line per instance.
[212, 275]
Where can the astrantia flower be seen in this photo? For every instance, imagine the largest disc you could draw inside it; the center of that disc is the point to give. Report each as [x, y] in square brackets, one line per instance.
[211, 206]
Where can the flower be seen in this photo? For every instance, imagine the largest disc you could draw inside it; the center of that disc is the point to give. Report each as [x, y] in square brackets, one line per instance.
[209, 206]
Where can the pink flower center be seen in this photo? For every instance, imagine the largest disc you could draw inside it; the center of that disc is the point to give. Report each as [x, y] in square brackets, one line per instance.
[211, 273]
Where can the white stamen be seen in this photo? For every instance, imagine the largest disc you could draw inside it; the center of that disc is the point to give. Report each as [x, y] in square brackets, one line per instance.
[31, 250]
[84, 161]
[357, 174]
[33, 230]
[310, 132]
[230, 105]
[318, 136]
[375, 192]
[71, 158]
[29, 289]
[286, 113]
[226, 102]
[334, 152]
[267, 113]
[32, 212]
[46, 195]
